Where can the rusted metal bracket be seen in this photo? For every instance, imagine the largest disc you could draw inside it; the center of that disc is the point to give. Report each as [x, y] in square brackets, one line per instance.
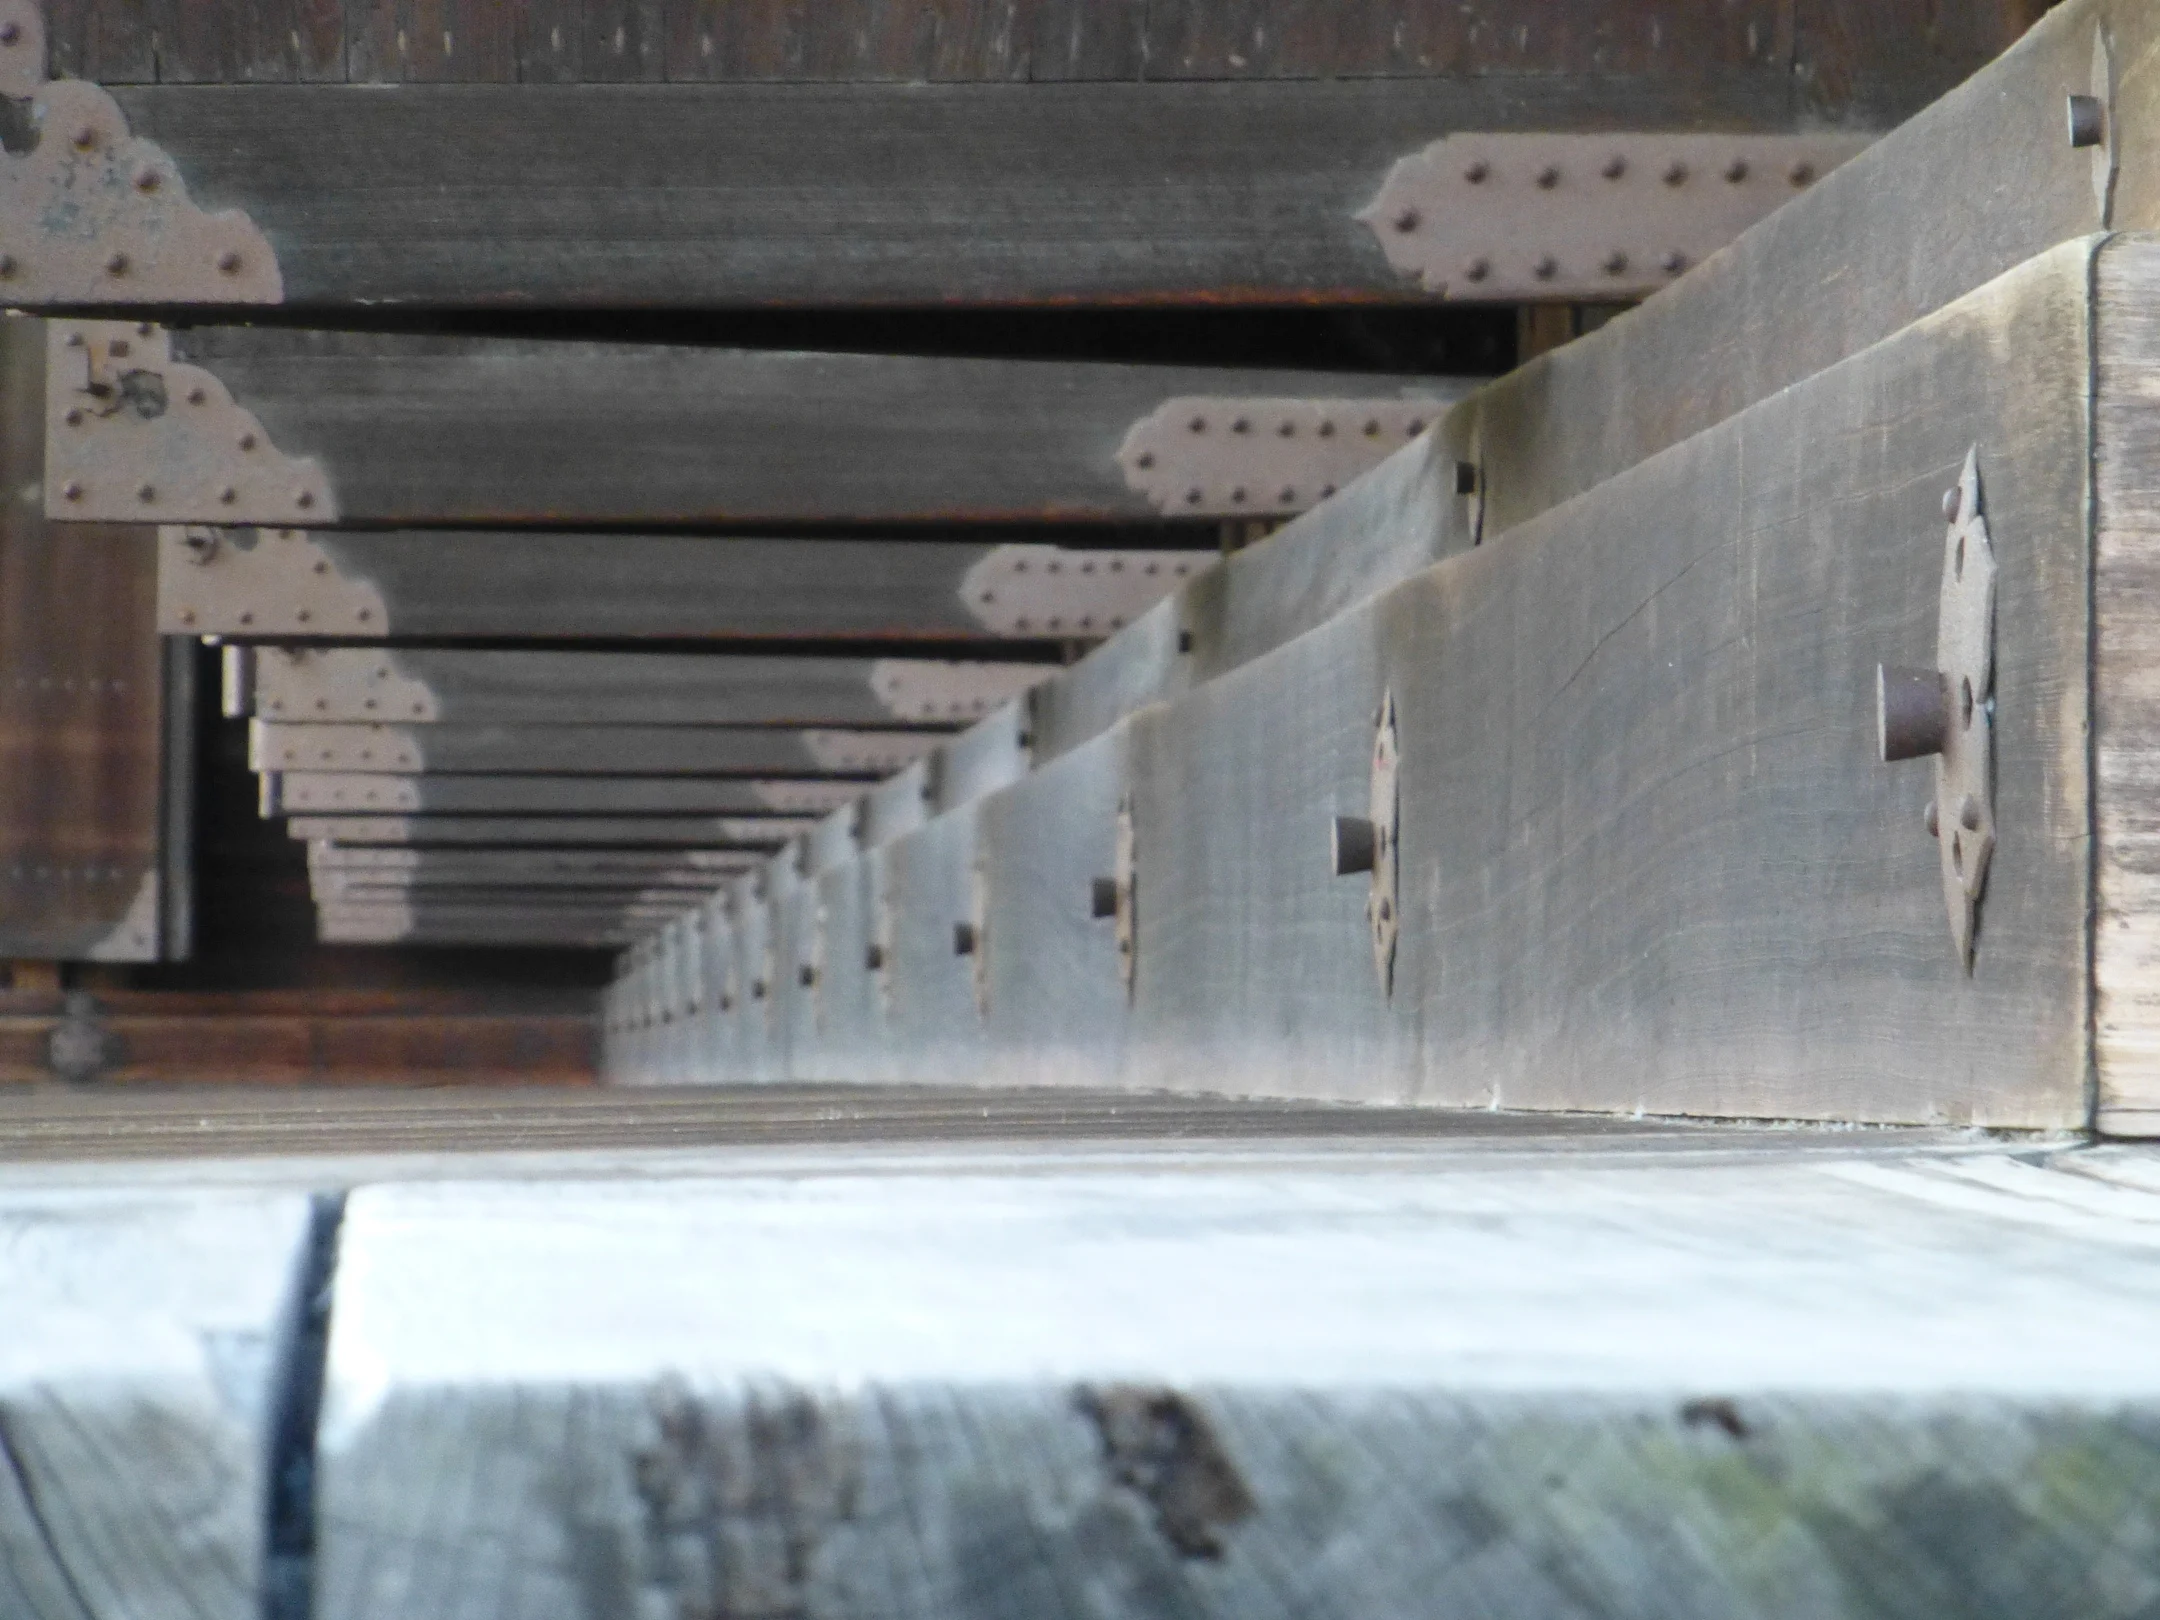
[249, 581]
[1584, 217]
[1949, 711]
[1223, 456]
[91, 214]
[1367, 844]
[1020, 590]
[134, 436]
[933, 689]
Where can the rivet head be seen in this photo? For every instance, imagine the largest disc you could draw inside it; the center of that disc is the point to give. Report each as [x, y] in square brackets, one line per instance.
[228, 495]
[74, 417]
[71, 491]
[229, 262]
[10, 33]
[247, 441]
[1546, 268]
[86, 137]
[1327, 429]
[7, 265]
[1675, 173]
[117, 265]
[1241, 425]
[305, 499]
[1477, 172]
[1372, 427]
[1615, 263]
[1197, 425]
[1801, 173]
[1407, 220]
[1477, 269]
[146, 180]
[1969, 813]
[1237, 496]
[1615, 167]
[1288, 496]
[1146, 458]
[1950, 502]
[146, 494]
[1674, 262]
[1287, 430]
[1548, 177]
[74, 340]
[196, 395]
[1736, 171]
[1192, 497]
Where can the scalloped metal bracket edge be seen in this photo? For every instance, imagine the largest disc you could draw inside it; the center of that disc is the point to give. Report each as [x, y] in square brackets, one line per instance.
[93, 214]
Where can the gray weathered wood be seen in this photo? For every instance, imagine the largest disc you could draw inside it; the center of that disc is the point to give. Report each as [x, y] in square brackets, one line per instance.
[696, 196]
[334, 793]
[544, 585]
[416, 685]
[138, 1372]
[432, 429]
[684, 832]
[583, 750]
[1258, 1382]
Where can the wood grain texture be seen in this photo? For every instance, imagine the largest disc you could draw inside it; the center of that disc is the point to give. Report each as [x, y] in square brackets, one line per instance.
[1879, 243]
[1650, 860]
[1266, 1385]
[2125, 697]
[136, 1379]
[82, 716]
[422, 685]
[690, 196]
[419, 430]
[548, 585]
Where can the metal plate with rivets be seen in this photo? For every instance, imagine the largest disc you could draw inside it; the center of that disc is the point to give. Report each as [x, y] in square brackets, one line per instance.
[134, 436]
[1579, 217]
[92, 214]
[1225, 456]
[1965, 653]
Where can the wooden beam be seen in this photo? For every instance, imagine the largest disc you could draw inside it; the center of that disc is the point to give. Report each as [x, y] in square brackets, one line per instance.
[306, 427]
[681, 832]
[542, 585]
[696, 197]
[1649, 859]
[1139, 1372]
[351, 792]
[466, 921]
[448, 750]
[422, 685]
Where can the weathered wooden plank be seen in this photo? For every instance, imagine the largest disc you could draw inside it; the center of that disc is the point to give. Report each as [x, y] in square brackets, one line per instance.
[139, 1380]
[1649, 859]
[83, 826]
[348, 792]
[545, 585]
[405, 429]
[422, 685]
[1878, 244]
[584, 750]
[683, 832]
[2126, 632]
[697, 195]
[1009, 1388]
[538, 865]
[470, 922]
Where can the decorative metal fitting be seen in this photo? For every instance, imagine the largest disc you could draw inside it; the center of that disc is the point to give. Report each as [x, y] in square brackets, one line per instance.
[928, 689]
[1367, 844]
[1949, 712]
[90, 214]
[1550, 216]
[1020, 590]
[127, 427]
[1223, 456]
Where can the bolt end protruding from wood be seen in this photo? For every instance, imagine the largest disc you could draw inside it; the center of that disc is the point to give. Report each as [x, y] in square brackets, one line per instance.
[1355, 845]
[1912, 712]
[1102, 897]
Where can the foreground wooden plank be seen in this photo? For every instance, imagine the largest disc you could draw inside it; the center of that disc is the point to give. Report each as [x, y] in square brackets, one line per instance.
[544, 585]
[1014, 1387]
[138, 1391]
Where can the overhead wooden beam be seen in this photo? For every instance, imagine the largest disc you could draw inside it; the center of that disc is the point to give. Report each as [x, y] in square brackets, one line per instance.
[508, 922]
[283, 427]
[543, 585]
[703, 196]
[347, 792]
[422, 685]
[680, 832]
[447, 750]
